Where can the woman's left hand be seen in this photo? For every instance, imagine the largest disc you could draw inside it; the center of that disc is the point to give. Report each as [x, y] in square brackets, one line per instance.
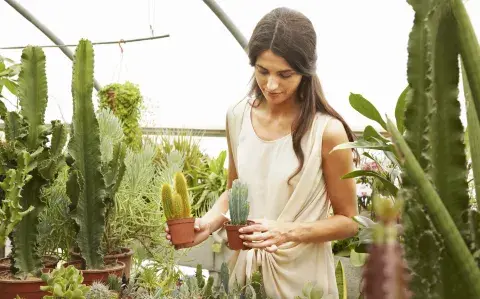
[268, 234]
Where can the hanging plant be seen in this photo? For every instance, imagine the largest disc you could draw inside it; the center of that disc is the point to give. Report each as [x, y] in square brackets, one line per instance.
[125, 101]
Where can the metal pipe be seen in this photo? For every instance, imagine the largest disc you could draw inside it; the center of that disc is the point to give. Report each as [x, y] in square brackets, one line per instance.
[220, 13]
[44, 29]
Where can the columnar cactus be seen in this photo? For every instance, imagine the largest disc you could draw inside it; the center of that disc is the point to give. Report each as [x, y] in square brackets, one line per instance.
[27, 162]
[238, 203]
[176, 203]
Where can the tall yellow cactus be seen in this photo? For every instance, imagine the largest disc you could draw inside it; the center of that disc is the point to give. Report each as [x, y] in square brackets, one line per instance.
[176, 203]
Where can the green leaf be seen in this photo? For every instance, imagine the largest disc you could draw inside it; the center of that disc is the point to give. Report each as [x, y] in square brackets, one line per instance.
[370, 134]
[32, 92]
[3, 110]
[386, 183]
[357, 259]
[367, 109]
[11, 86]
[86, 183]
[400, 110]
[362, 144]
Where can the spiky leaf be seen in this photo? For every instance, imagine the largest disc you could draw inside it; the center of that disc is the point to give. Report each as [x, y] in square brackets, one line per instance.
[32, 92]
[84, 148]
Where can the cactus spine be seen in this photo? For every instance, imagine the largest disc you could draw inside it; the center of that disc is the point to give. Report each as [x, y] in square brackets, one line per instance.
[238, 203]
[176, 203]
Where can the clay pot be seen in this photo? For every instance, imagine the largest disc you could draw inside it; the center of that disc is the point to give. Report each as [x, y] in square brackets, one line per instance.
[125, 257]
[49, 262]
[27, 289]
[233, 235]
[90, 276]
[181, 230]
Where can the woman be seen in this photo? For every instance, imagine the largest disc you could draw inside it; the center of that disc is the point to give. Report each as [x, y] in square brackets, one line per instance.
[279, 143]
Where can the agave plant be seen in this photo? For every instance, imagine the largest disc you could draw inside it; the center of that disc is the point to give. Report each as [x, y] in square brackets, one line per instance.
[29, 161]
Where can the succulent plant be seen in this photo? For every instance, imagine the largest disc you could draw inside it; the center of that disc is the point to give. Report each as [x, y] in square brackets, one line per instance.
[176, 203]
[238, 203]
[100, 291]
[64, 282]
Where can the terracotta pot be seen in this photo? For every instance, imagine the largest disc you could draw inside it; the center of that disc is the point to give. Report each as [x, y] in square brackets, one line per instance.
[26, 289]
[125, 257]
[49, 262]
[233, 235]
[90, 276]
[182, 230]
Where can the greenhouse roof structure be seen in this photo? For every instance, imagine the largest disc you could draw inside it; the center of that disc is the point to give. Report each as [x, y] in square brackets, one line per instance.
[189, 77]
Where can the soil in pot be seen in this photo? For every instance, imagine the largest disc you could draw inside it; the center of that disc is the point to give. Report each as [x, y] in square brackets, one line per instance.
[90, 276]
[29, 288]
[181, 230]
[49, 262]
[233, 235]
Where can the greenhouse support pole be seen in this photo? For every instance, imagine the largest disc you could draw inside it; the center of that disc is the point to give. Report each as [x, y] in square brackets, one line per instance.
[44, 29]
[220, 13]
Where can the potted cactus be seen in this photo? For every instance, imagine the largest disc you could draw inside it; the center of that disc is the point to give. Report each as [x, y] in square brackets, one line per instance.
[239, 209]
[92, 185]
[29, 161]
[176, 206]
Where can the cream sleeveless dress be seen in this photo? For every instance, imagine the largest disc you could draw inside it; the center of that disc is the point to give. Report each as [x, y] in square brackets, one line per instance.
[266, 166]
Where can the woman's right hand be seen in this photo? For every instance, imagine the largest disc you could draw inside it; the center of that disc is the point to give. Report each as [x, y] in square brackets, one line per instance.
[202, 232]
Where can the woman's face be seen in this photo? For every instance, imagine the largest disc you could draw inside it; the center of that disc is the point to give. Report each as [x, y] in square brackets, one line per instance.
[276, 78]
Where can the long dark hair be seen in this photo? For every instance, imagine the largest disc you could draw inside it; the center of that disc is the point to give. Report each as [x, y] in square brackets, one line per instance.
[290, 34]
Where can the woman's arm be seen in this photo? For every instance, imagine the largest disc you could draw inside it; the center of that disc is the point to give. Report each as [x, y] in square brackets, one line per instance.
[341, 193]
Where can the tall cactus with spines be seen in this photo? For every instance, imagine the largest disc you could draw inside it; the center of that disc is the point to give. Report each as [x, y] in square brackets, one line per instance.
[86, 186]
[28, 163]
[238, 203]
[176, 203]
[438, 238]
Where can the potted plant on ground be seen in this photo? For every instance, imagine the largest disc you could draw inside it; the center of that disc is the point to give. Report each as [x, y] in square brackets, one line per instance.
[176, 206]
[92, 184]
[239, 208]
[28, 164]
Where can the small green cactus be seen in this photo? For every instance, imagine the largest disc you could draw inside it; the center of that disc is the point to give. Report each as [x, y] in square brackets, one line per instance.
[99, 290]
[199, 276]
[208, 289]
[176, 203]
[238, 203]
[224, 276]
